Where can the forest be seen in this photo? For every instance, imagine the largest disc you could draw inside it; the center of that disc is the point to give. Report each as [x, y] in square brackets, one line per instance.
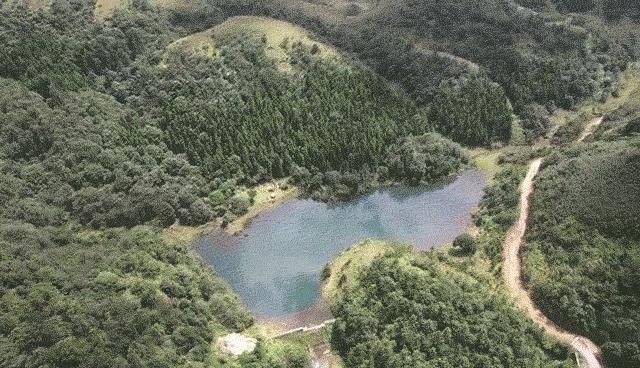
[111, 132]
[441, 308]
[72, 297]
[582, 253]
[612, 9]
[537, 59]
[250, 123]
[105, 141]
[407, 310]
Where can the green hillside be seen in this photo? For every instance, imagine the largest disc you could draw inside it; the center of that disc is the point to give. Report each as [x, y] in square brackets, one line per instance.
[583, 251]
[278, 35]
[121, 119]
[410, 310]
[612, 9]
[116, 298]
[546, 58]
[112, 131]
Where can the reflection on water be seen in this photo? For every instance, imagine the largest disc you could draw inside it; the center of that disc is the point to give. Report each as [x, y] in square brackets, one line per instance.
[275, 265]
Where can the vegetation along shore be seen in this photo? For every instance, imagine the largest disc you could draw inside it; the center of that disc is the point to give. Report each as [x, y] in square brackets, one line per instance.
[129, 128]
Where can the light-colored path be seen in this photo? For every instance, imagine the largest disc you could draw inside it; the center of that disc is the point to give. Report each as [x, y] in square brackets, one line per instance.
[321, 354]
[470, 65]
[590, 128]
[304, 329]
[588, 353]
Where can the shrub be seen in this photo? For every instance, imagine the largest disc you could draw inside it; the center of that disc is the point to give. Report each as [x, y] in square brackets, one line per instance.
[424, 158]
[466, 244]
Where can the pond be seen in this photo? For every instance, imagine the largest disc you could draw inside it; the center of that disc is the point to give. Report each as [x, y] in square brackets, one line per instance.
[275, 264]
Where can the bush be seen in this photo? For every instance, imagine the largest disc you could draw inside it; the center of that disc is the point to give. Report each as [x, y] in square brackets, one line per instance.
[239, 204]
[216, 198]
[535, 121]
[326, 272]
[425, 158]
[466, 244]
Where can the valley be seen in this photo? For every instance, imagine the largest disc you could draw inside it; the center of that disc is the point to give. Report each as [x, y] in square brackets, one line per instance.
[324, 183]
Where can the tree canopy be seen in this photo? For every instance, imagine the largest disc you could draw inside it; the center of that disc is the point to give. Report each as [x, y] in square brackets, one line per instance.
[583, 250]
[407, 311]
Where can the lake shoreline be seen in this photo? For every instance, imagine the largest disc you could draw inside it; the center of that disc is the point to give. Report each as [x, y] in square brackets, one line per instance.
[268, 195]
[276, 192]
[275, 265]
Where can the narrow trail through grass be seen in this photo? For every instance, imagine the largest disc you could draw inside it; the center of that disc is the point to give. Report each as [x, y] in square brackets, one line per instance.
[590, 128]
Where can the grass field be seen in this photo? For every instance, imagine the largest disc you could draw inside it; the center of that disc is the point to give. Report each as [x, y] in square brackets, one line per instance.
[486, 160]
[105, 8]
[344, 268]
[171, 4]
[334, 10]
[277, 34]
[38, 4]
[201, 43]
[279, 37]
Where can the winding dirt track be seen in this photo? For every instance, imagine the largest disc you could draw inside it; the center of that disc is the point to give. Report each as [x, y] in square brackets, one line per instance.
[590, 128]
[588, 352]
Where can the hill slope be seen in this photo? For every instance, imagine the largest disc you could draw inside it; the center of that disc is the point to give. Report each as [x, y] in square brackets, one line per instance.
[104, 142]
[412, 310]
[583, 251]
[541, 58]
[277, 35]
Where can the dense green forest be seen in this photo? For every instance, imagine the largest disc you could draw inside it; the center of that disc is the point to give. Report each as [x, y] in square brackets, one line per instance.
[442, 308]
[424, 158]
[612, 9]
[408, 310]
[484, 113]
[80, 160]
[72, 297]
[271, 121]
[583, 253]
[101, 132]
[206, 124]
[536, 58]
[110, 133]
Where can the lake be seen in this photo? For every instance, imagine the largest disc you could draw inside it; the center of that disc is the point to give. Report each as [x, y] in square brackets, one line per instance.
[275, 264]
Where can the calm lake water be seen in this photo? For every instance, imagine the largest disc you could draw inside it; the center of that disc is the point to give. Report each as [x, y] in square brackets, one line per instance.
[275, 264]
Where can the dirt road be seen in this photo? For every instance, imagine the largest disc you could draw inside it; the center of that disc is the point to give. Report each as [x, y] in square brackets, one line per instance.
[588, 352]
[590, 128]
